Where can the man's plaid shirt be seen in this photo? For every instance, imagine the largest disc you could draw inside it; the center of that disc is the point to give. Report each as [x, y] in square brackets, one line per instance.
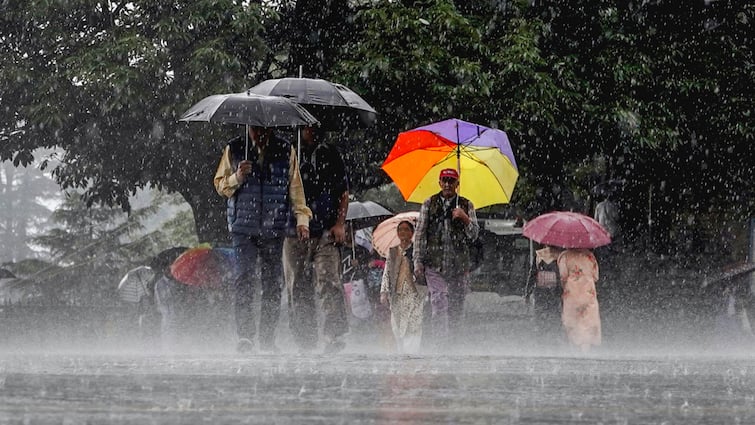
[471, 230]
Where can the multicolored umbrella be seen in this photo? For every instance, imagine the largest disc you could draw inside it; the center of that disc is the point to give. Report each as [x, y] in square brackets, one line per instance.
[204, 266]
[482, 155]
[567, 230]
[384, 236]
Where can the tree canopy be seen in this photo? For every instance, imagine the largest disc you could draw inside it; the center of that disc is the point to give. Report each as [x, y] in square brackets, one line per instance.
[658, 94]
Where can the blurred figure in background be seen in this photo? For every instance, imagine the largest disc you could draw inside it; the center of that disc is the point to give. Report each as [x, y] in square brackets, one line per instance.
[544, 284]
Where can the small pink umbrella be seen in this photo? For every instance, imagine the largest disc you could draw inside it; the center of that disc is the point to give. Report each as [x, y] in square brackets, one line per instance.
[567, 230]
[384, 236]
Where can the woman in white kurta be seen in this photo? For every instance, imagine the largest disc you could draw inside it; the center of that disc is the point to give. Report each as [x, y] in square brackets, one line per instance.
[406, 298]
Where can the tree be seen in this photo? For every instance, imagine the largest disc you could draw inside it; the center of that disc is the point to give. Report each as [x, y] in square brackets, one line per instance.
[27, 200]
[107, 83]
[661, 83]
[415, 63]
[91, 246]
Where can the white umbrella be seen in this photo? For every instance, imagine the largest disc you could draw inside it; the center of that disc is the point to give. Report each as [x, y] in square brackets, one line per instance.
[384, 236]
[133, 285]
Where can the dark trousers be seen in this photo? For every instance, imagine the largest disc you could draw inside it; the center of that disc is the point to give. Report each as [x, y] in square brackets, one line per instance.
[547, 312]
[267, 254]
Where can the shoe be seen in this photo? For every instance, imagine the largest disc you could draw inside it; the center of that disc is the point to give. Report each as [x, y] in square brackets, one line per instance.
[334, 346]
[244, 346]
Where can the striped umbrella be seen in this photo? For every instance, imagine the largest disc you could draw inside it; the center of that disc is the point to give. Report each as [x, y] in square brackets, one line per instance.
[133, 285]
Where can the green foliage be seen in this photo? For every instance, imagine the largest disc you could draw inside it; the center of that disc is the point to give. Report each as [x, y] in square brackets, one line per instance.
[417, 62]
[108, 83]
[656, 93]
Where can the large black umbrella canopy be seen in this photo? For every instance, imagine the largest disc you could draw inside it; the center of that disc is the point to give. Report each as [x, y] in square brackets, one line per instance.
[250, 109]
[335, 105]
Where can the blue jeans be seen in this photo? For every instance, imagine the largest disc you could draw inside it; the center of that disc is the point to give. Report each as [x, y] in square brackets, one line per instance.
[267, 253]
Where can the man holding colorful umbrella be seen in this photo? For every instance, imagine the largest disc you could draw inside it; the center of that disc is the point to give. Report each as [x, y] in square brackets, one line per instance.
[447, 224]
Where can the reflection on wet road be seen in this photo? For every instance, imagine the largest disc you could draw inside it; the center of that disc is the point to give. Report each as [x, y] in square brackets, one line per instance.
[373, 389]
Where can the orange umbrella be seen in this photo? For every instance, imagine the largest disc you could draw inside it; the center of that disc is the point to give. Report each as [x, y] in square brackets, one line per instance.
[482, 156]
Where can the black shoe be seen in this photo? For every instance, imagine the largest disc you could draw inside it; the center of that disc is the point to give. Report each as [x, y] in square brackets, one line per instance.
[244, 346]
[335, 346]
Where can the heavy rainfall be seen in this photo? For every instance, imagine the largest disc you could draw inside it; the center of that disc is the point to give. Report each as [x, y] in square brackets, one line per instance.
[405, 212]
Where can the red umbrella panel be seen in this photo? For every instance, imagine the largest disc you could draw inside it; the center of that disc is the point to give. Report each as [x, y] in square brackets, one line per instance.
[567, 230]
[482, 156]
[204, 267]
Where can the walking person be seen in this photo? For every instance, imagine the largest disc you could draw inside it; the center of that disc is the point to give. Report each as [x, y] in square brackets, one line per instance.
[400, 290]
[447, 224]
[261, 182]
[544, 285]
[313, 266]
[581, 315]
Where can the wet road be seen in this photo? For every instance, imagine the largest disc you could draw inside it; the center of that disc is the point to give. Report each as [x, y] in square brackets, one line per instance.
[374, 389]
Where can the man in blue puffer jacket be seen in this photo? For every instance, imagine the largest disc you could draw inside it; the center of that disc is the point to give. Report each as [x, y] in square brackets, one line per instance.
[263, 187]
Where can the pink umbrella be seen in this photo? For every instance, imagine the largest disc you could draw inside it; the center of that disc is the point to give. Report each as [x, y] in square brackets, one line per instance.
[384, 236]
[567, 230]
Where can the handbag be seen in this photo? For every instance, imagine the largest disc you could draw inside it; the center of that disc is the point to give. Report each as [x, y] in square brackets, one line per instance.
[359, 300]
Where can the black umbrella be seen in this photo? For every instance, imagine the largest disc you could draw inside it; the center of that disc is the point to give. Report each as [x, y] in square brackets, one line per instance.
[335, 105]
[250, 109]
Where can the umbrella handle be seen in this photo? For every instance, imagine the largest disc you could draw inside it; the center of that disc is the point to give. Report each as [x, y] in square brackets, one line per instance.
[458, 162]
[246, 142]
[353, 243]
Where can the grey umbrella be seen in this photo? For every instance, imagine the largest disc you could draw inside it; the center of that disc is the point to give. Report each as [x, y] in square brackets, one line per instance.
[335, 105]
[366, 214]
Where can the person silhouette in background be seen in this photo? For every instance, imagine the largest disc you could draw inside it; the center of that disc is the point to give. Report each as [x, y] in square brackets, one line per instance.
[544, 284]
[400, 289]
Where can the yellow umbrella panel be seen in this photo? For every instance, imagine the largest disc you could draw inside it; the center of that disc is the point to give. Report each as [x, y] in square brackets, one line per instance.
[486, 176]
